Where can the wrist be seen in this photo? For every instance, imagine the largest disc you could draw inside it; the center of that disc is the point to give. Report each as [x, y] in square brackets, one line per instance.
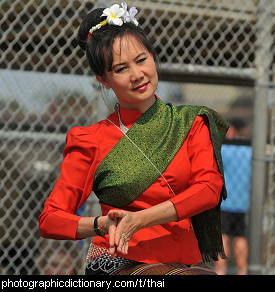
[140, 219]
[97, 229]
[102, 226]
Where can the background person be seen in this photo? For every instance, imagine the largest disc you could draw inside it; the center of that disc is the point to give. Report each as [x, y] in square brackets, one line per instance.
[237, 172]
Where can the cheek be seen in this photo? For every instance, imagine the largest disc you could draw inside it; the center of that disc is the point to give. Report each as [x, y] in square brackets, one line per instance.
[154, 75]
[153, 70]
[120, 85]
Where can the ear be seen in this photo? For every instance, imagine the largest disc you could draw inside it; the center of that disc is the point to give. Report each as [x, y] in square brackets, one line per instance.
[103, 81]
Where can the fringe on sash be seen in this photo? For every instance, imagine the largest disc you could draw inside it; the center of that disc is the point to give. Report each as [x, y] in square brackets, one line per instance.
[213, 256]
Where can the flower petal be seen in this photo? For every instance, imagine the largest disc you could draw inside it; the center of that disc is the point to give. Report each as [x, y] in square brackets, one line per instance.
[135, 21]
[117, 21]
[114, 8]
[133, 11]
[120, 12]
[124, 5]
[106, 12]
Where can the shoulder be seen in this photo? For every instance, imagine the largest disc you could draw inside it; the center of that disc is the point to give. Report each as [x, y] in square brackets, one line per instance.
[217, 125]
[185, 110]
[200, 128]
[193, 115]
[80, 134]
[196, 110]
[88, 137]
[86, 133]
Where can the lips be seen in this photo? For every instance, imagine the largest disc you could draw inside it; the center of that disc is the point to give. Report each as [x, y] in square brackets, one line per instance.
[141, 87]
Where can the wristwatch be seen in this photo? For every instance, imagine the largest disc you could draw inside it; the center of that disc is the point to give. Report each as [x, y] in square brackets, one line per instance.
[96, 228]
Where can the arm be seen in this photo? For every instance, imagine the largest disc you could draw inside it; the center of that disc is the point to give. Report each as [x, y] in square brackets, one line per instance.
[58, 219]
[205, 181]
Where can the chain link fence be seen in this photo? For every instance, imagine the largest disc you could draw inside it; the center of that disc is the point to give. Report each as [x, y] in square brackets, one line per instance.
[208, 52]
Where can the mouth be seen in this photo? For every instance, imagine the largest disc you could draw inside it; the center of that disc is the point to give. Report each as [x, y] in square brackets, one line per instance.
[141, 87]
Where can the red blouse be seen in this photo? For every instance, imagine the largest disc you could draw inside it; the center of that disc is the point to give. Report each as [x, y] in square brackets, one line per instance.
[193, 175]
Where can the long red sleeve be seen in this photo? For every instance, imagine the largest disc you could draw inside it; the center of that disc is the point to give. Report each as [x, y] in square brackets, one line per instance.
[71, 190]
[205, 181]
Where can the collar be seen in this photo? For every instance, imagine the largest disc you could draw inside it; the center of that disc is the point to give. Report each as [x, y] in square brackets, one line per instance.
[129, 117]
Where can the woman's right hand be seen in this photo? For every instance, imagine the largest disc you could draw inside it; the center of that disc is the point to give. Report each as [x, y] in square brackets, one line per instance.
[108, 226]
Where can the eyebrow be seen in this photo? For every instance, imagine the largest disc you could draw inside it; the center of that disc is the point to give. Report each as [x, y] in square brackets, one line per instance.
[122, 64]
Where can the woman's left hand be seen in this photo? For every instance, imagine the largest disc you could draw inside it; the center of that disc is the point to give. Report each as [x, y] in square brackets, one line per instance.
[127, 226]
[128, 223]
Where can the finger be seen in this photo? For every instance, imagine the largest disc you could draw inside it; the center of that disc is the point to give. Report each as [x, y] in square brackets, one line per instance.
[118, 234]
[112, 233]
[116, 214]
[112, 214]
[112, 251]
[125, 248]
[123, 244]
[119, 247]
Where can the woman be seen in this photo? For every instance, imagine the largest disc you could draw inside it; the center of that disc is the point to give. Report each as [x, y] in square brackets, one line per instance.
[155, 168]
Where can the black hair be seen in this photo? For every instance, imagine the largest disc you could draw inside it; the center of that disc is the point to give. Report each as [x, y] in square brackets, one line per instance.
[99, 46]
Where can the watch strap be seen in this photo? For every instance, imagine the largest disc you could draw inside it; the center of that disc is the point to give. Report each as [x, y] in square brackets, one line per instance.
[96, 228]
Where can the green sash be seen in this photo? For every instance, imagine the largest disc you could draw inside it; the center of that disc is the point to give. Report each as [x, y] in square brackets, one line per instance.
[124, 174]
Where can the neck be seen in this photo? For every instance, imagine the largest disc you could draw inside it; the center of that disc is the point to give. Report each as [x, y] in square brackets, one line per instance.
[141, 106]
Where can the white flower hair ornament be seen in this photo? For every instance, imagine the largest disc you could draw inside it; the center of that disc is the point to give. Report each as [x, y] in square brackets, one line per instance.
[129, 16]
[116, 15]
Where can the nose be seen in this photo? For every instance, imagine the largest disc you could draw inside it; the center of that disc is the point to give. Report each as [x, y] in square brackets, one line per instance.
[136, 74]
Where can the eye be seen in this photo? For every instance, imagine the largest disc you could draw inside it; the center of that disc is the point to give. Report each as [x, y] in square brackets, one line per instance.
[141, 60]
[121, 69]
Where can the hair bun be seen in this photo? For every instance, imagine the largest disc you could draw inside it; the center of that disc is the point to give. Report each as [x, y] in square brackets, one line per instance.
[90, 20]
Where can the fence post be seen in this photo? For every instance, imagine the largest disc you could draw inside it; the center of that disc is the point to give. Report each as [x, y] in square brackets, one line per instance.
[260, 128]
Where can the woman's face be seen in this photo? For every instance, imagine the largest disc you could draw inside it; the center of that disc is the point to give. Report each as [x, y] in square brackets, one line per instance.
[133, 77]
